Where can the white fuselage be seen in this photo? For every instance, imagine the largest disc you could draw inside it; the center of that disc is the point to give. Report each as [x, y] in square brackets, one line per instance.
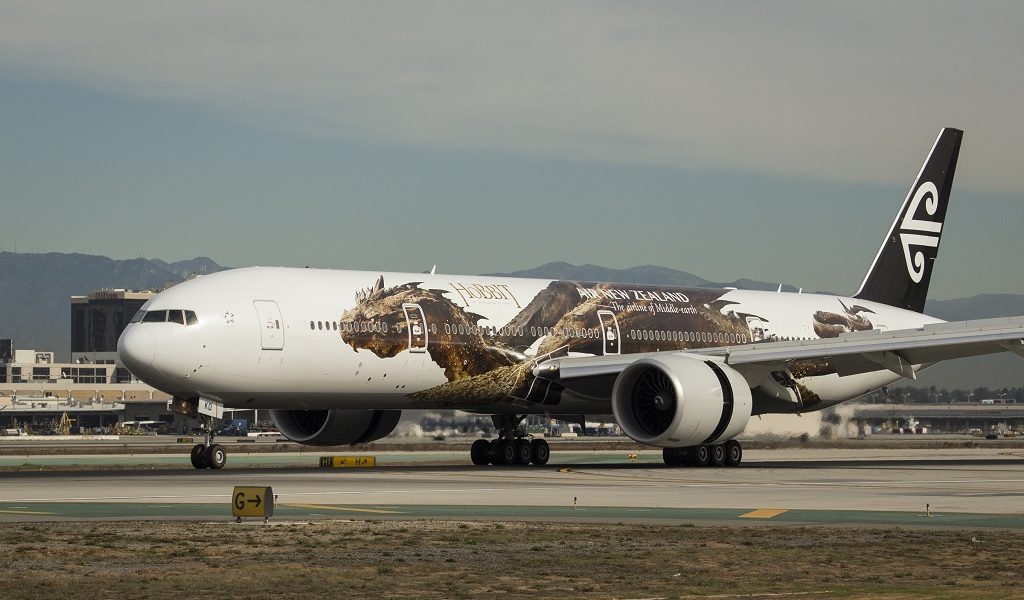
[310, 338]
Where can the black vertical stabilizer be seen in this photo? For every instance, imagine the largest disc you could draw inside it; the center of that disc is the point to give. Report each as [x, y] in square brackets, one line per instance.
[902, 268]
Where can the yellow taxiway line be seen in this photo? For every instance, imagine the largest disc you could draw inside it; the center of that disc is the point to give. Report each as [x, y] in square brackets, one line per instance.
[343, 508]
[763, 513]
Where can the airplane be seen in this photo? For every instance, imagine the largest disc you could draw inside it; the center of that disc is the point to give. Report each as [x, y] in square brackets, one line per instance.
[335, 356]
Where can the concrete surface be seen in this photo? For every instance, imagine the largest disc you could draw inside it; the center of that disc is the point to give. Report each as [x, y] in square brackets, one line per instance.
[964, 487]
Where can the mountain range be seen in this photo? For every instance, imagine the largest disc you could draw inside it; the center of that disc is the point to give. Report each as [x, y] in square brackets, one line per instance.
[35, 311]
[35, 290]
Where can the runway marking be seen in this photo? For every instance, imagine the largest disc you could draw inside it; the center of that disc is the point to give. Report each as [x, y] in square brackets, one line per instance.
[228, 496]
[24, 512]
[343, 508]
[553, 486]
[763, 513]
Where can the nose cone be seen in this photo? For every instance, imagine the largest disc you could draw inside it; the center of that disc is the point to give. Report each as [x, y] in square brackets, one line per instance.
[135, 348]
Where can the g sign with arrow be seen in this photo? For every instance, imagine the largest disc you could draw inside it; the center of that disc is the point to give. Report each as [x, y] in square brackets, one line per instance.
[252, 502]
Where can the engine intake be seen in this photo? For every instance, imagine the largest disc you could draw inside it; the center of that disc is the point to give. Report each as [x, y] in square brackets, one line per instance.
[678, 400]
[335, 427]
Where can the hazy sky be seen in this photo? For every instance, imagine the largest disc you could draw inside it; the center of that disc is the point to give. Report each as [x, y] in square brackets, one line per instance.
[730, 139]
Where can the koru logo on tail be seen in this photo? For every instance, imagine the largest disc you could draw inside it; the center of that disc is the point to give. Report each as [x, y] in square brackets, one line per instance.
[919, 232]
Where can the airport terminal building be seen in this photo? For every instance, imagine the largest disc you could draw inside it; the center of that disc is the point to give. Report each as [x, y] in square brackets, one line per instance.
[93, 390]
[36, 392]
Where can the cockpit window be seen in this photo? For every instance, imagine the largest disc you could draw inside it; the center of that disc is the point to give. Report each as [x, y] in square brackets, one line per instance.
[181, 317]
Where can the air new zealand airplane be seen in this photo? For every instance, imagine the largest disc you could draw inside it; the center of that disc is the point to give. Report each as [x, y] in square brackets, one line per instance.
[337, 355]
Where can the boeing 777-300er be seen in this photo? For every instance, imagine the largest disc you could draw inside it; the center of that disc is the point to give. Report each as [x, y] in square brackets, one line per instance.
[337, 355]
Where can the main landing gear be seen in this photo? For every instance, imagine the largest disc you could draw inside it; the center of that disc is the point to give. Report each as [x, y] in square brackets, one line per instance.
[729, 454]
[512, 446]
[208, 455]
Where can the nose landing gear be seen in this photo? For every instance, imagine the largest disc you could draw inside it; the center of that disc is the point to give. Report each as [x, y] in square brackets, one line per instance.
[208, 455]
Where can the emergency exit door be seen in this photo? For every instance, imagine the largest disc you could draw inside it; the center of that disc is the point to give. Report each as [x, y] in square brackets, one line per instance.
[271, 328]
[416, 323]
[609, 332]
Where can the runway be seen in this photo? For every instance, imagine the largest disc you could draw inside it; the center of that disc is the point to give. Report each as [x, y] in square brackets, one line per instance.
[964, 487]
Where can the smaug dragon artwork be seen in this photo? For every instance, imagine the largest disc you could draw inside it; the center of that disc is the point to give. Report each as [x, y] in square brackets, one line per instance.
[486, 362]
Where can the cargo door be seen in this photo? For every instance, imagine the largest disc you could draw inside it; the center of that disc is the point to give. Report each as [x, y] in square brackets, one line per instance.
[609, 331]
[271, 328]
[416, 323]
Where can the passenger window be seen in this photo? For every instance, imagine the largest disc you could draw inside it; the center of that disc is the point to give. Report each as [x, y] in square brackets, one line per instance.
[335, 325]
[312, 325]
[320, 325]
[190, 318]
[175, 316]
[138, 316]
[155, 316]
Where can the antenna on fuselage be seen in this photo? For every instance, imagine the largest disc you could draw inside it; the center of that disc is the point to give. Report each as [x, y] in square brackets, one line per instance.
[433, 269]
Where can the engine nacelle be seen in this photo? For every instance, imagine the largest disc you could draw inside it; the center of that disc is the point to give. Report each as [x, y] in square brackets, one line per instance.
[677, 400]
[335, 427]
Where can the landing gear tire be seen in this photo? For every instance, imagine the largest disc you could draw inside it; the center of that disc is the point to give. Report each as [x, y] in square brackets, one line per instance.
[733, 453]
[541, 452]
[216, 456]
[198, 457]
[673, 457]
[479, 452]
[208, 455]
[698, 456]
[504, 452]
[716, 456]
[524, 452]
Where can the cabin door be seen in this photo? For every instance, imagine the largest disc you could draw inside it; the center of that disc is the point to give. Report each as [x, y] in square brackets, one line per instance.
[416, 323]
[271, 327]
[609, 332]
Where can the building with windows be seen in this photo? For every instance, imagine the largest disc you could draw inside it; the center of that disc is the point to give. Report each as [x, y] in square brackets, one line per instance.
[34, 390]
[98, 319]
[35, 370]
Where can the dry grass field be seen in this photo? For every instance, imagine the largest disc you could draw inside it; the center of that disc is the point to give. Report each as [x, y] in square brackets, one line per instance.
[450, 559]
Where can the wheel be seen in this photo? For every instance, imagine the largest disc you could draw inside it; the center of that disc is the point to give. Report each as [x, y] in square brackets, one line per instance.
[733, 453]
[524, 452]
[698, 456]
[716, 456]
[199, 457]
[672, 457]
[541, 452]
[504, 452]
[479, 451]
[216, 456]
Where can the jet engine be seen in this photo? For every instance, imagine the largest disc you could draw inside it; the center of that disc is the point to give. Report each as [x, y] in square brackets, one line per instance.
[679, 400]
[335, 427]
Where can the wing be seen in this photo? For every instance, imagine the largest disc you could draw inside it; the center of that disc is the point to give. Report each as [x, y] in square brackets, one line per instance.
[851, 353]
